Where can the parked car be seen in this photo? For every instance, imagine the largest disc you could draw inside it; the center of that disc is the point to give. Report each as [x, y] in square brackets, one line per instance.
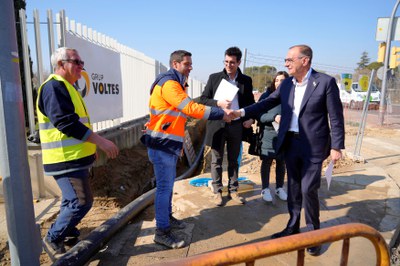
[356, 97]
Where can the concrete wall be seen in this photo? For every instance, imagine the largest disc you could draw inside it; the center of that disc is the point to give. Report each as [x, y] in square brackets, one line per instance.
[125, 136]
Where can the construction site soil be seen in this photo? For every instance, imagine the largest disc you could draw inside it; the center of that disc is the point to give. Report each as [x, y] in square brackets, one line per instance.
[130, 175]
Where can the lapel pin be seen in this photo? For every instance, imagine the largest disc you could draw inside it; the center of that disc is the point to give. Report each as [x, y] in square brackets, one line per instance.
[315, 84]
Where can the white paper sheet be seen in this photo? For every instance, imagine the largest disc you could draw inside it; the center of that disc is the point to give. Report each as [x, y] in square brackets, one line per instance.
[225, 91]
[276, 126]
[328, 173]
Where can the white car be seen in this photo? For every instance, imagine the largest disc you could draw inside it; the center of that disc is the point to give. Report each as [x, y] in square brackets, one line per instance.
[355, 98]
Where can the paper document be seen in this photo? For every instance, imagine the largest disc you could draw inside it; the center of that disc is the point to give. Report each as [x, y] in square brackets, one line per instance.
[328, 173]
[225, 91]
[276, 126]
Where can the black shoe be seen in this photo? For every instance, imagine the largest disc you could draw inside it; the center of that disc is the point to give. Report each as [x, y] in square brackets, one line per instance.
[54, 249]
[72, 238]
[176, 224]
[314, 251]
[288, 231]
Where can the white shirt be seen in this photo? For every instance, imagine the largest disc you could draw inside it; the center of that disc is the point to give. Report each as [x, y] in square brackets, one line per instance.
[235, 101]
[299, 90]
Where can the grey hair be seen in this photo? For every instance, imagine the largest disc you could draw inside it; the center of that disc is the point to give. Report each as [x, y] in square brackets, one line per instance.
[59, 55]
[305, 50]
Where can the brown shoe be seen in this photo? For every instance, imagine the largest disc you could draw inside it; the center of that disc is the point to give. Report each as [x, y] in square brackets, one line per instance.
[218, 199]
[236, 198]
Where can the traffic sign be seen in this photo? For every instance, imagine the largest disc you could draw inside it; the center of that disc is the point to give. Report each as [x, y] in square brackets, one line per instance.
[382, 29]
[346, 82]
[363, 82]
[379, 73]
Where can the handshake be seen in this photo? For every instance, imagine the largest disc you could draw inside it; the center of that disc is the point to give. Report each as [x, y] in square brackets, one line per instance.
[230, 115]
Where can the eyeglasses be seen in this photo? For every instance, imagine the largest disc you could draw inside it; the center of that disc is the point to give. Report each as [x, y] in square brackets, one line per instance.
[226, 62]
[75, 61]
[291, 60]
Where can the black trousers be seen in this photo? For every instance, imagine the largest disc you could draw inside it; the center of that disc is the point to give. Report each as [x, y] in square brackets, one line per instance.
[304, 180]
[232, 136]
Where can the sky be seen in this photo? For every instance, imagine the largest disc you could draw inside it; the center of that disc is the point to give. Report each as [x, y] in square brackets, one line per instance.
[338, 31]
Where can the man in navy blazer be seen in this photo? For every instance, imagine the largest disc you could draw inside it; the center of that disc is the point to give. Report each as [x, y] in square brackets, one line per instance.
[311, 129]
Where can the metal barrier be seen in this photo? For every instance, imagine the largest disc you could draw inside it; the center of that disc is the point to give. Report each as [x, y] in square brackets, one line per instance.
[249, 253]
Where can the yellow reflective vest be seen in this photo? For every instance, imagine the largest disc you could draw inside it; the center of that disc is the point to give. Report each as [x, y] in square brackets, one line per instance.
[56, 146]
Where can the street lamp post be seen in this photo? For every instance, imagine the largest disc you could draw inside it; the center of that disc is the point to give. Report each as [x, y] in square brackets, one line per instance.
[389, 38]
[23, 234]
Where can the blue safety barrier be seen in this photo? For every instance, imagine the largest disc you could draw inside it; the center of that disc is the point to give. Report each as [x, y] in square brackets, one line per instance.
[203, 181]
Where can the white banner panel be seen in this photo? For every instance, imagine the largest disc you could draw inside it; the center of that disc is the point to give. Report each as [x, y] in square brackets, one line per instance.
[101, 83]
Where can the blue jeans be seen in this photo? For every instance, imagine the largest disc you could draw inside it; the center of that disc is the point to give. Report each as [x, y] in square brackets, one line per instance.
[77, 199]
[164, 165]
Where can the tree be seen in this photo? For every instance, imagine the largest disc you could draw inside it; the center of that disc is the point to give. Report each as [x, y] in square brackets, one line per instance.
[364, 61]
[261, 76]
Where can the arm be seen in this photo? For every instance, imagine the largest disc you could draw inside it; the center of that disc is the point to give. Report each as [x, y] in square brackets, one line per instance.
[175, 96]
[207, 97]
[260, 107]
[109, 148]
[335, 111]
[57, 105]
[269, 116]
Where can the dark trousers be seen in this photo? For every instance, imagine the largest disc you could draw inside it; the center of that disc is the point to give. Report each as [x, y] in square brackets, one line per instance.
[232, 135]
[77, 199]
[266, 170]
[304, 180]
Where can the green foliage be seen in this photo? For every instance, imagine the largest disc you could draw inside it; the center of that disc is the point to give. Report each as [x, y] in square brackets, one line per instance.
[364, 61]
[262, 76]
[374, 65]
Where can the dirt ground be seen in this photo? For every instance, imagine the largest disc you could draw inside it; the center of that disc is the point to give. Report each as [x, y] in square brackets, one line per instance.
[131, 174]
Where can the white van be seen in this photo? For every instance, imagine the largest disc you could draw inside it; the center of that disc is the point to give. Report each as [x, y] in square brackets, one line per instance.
[355, 98]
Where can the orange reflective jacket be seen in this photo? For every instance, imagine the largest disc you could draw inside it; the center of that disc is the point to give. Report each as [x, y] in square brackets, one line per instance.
[169, 107]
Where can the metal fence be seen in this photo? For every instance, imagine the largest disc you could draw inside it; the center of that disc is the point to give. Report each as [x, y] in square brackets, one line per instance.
[138, 71]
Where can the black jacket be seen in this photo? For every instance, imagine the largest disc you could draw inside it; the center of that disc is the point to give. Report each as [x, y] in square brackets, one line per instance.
[245, 97]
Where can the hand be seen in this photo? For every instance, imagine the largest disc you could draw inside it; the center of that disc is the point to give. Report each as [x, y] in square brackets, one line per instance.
[336, 155]
[227, 115]
[248, 123]
[235, 114]
[278, 119]
[109, 148]
[145, 127]
[224, 104]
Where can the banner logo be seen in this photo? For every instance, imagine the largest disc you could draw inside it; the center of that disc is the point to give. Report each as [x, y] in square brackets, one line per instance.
[85, 84]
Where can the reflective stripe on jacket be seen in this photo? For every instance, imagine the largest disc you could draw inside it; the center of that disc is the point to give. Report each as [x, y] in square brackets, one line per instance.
[56, 146]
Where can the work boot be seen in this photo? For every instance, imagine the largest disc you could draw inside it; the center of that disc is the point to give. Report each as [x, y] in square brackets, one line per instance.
[236, 198]
[167, 239]
[176, 224]
[54, 249]
[218, 199]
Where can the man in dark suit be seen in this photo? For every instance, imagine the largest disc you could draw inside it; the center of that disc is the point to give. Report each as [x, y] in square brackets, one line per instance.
[311, 129]
[219, 132]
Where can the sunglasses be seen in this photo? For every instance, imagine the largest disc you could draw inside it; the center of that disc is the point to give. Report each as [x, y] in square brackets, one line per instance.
[75, 61]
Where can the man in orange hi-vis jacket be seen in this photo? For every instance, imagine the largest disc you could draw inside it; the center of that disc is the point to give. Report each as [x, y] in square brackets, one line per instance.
[169, 107]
